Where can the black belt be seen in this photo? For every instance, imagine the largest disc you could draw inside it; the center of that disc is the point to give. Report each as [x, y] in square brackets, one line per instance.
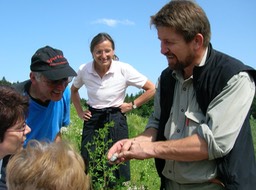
[105, 110]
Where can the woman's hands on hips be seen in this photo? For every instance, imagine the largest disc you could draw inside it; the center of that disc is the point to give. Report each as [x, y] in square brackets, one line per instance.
[85, 115]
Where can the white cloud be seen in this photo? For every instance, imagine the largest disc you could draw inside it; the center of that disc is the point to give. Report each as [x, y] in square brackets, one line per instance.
[113, 22]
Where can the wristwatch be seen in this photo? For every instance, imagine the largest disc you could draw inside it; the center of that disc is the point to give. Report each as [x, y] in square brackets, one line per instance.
[133, 105]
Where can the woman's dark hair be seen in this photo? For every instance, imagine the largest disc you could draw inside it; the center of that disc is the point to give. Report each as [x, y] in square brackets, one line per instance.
[13, 107]
[100, 38]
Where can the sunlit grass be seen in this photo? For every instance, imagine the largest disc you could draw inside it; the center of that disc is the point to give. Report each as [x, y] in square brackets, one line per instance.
[253, 126]
[143, 173]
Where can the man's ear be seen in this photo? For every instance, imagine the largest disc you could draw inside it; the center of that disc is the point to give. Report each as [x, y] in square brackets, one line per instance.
[198, 41]
[32, 77]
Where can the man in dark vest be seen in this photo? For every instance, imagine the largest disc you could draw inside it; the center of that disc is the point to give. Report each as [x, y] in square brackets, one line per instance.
[199, 133]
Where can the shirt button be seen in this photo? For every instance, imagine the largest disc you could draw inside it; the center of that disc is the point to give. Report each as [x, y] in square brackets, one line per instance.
[178, 130]
[170, 171]
[182, 110]
[184, 89]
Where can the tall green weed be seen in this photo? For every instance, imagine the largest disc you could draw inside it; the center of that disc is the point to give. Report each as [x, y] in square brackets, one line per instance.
[143, 173]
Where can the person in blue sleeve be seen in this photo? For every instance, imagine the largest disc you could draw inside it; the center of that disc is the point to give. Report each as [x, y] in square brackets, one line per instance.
[49, 105]
[49, 97]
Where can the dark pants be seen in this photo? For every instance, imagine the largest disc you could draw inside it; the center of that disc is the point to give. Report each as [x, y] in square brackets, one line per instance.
[119, 131]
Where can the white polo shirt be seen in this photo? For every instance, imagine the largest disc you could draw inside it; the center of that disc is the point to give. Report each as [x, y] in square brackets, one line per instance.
[110, 90]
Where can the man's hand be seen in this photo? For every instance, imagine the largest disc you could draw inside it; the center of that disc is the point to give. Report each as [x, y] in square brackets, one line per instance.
[128, 149]
[120, 146]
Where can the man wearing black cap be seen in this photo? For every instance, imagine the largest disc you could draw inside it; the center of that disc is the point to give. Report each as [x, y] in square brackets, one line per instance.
[49, 108]
[49, 105]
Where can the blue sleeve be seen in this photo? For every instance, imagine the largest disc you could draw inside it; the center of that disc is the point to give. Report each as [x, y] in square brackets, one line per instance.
[66, 101]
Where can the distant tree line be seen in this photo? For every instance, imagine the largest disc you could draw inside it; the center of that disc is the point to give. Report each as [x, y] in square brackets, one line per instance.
[146, 109]
[5, 82]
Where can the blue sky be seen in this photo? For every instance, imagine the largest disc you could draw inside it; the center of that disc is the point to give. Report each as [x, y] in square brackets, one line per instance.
[70, 25]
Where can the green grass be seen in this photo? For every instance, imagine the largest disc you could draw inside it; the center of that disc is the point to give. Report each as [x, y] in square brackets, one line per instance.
[253, 126]
[143, 172]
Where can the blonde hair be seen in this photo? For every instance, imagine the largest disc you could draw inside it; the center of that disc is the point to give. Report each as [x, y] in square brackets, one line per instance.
[47, 166]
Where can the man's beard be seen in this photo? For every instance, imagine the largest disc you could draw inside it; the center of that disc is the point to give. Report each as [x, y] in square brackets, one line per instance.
[181, 65]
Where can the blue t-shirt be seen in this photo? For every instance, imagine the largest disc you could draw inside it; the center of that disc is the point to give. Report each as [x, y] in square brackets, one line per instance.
[45, 121]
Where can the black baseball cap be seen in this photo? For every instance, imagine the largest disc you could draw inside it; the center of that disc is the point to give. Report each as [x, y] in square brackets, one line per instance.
[51, 63]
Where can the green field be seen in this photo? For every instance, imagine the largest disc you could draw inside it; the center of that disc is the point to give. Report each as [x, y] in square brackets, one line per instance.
[143, 173]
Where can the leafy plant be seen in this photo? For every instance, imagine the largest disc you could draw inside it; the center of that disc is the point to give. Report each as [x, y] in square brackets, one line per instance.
[143, 172]
[99, 167]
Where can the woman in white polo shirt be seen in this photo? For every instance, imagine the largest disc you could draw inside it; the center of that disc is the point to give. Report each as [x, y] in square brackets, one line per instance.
[106, 80]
